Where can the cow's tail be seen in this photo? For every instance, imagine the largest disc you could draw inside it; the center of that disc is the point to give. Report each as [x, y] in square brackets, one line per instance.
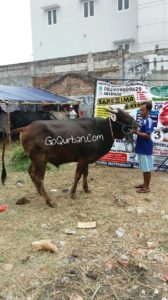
[3, 172]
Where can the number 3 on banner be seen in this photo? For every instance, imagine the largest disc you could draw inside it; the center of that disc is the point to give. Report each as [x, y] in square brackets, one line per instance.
[157, 136]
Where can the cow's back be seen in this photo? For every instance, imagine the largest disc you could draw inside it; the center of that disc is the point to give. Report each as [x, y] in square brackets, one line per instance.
[22, 118]
[68, 140]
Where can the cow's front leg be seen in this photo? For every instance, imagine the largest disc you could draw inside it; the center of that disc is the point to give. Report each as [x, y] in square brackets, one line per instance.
[78, 174]
[85, 183]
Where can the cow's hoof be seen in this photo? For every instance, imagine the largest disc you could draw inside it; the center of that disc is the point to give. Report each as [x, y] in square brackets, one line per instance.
[52, 205]
[73, 196]
[87, 191]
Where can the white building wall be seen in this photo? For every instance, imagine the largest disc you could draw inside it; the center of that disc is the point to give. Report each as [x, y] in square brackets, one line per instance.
[75, 35]
[152, 24]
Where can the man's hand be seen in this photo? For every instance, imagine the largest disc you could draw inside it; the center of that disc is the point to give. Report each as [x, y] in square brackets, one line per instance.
[136, 131]
[141, 134]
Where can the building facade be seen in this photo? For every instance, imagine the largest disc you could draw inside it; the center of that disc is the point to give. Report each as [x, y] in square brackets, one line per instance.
[62, 28]
[152, 24]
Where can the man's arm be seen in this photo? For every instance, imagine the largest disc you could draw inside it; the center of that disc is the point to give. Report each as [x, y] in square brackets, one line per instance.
[142, 134]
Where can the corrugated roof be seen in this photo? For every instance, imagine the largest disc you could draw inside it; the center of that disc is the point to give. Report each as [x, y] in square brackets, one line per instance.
[13, 94]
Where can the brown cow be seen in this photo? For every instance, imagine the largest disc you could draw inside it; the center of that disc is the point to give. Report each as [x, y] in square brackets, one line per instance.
[80, 140]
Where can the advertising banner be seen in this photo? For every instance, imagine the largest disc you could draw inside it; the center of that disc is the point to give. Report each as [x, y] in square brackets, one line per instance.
[129, 97]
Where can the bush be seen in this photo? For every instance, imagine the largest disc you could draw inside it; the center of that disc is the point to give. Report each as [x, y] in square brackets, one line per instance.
[20, 161]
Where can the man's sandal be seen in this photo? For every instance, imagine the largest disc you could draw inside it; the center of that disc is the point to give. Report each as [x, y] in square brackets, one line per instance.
[142, 190]
[139, 186]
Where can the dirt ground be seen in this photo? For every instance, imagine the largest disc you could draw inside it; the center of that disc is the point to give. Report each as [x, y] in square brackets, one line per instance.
[124, 257]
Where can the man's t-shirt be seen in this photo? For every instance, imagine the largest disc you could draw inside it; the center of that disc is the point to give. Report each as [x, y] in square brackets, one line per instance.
[145, 146]
[72, 114]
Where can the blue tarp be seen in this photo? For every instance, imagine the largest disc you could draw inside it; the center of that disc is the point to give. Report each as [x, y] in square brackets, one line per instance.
[13, 94]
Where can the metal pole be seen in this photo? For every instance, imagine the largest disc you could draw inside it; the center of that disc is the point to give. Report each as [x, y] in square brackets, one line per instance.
[161, 164]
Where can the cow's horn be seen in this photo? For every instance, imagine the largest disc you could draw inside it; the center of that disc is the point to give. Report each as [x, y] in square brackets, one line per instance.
[112, 110]
[107, 109]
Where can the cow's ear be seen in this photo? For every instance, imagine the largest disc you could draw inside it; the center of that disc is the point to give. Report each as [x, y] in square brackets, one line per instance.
[113, 117]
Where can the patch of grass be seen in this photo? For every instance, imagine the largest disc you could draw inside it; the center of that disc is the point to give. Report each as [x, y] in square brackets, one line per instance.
[20, 161]
[165, 246]
[2, 259]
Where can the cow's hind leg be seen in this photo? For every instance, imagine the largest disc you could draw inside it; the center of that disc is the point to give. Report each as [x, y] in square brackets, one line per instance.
[85, 183]
[32, 176]
[78, 174]
[37, 172]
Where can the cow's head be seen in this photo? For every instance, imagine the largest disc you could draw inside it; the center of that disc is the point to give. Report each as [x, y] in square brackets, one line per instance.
[122, 122]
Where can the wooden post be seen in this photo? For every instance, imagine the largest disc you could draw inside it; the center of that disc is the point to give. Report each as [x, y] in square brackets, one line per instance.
[8, 121]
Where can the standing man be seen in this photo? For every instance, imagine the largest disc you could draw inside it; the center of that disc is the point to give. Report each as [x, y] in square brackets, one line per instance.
[144, 147]
[72, 113]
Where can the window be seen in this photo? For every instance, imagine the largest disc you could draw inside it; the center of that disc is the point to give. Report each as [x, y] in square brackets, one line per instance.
[120, 47]
[125, 47]
[88, 9]
[126, 4]
[123, 4]
[155, 63]
[85, 9]
[120, 4]
[52, 17]
[49, 18]
[91, 8]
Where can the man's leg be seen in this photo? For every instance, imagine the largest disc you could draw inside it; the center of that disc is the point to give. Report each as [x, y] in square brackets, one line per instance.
[147, 179]
[140, 165]
[146, 166]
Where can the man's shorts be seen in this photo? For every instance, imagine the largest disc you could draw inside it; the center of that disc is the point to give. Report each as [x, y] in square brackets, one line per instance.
[145, 162]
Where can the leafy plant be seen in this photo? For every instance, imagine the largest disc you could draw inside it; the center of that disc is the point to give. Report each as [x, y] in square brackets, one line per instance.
[20, 161]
